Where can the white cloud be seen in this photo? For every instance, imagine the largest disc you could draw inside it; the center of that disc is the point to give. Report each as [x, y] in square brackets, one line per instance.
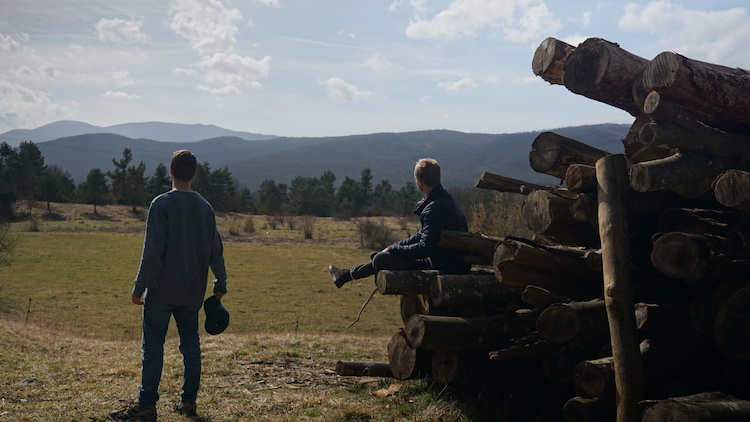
[120, 31]
[465, 84]
[716, 36]
[225, 73]
[268, 2]
[207, 25]
[120, 78]
[340, 89]
[119, 95]
[23, 107]
[378, 62]
[8, 43]
[44, 70]
[517, 20]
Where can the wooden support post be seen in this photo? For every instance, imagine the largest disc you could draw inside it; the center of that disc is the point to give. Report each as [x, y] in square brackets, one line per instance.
[612, 174]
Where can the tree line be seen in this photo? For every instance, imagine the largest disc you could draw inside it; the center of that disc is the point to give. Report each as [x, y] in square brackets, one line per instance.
[25, 176]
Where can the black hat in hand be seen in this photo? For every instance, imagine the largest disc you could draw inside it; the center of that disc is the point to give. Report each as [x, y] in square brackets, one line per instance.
[217, 316]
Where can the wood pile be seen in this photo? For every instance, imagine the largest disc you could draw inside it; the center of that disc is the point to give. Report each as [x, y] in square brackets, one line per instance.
[634, 293]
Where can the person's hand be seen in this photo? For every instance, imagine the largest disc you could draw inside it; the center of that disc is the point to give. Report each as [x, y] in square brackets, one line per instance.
[136, 299]
[219, 295]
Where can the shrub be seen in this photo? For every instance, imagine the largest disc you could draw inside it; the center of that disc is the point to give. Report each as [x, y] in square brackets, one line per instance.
[374, 235]
[501, 217]
[307, 224]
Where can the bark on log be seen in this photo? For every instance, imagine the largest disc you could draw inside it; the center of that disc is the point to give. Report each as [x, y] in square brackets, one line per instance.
[549, 215]
[476, 245]
[732, 189]
[717, 93]
[552, 154]
[348, 368]
[506, 184]
[703, 407]
[581, 178]
[686, 256]
[453, 290]
[531, 345]
[596, 376]
[404, 282]
[731, 327]
[411, 305]
[594, 409]
[583, 209]
[549, 58]
[618, 294]
[562, 322]
[696, 221]
[654, 317]
[426, 332]
[635, 150]
[688, 173]
[604, 72]
[541, 298]
[521, 262]
[456, 368]
[406, 362]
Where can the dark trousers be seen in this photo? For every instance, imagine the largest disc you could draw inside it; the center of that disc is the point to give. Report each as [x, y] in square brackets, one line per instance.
[388, 261]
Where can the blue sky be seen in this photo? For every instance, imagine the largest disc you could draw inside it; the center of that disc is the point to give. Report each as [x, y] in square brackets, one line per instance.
[331, 67]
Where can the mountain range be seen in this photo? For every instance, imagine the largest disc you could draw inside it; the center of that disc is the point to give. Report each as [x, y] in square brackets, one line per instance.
[78, 147]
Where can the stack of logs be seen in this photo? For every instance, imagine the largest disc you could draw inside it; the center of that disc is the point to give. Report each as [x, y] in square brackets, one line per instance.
[686, 191]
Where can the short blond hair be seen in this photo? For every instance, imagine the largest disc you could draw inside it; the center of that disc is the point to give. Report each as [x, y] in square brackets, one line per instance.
[427, 171]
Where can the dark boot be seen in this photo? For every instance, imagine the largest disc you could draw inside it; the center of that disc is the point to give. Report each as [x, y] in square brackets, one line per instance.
[340, 276]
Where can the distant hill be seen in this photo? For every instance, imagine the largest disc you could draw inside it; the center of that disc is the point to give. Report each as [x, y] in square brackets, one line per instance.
[157, 131]
[391, 156]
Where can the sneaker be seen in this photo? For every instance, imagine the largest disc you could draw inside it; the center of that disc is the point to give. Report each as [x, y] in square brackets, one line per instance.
[340, 276]
[186, 408]
[134, 412]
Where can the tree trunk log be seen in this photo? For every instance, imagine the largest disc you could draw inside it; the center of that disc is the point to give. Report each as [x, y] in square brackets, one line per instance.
[552, 154]
[635, 150]
[731, 326]
[520, 262]
[549, 215]
[549, 58]
[688, 173]
[604, 72]
[717, 93]
[595, 377]
[595, 409]
[583, 209]
[411, 305]
[562, 322]
[696, 221]
[581, 178]
[506, 184]
[348, 368]
[426, 332]
[618, 293]
[541, 298]
[685, 256]
[479, 246]
[703, 407]
[732, 189]
[404, 282]
[453, 290]
[406, 362]
[458, 368]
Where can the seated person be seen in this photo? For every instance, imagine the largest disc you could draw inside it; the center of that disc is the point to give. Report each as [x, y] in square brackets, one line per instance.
[437, 211]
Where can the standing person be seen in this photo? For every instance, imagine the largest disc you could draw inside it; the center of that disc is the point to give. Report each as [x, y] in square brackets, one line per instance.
[181, 243]
[437, 211]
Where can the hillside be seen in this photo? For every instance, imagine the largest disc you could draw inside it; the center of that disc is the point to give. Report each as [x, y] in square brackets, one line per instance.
[157, 131]
[464, 156]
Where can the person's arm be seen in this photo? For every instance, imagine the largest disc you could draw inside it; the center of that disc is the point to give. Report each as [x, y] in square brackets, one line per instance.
[423, 243]
[154, 244]
[218, 267]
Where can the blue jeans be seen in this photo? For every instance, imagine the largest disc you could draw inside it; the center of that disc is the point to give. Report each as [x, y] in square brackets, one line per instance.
[155, 324]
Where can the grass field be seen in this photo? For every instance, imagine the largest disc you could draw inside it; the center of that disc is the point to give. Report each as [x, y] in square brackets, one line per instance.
[69, 342]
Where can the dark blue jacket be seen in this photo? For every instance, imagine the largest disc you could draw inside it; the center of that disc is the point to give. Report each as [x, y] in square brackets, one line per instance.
[437, 211]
